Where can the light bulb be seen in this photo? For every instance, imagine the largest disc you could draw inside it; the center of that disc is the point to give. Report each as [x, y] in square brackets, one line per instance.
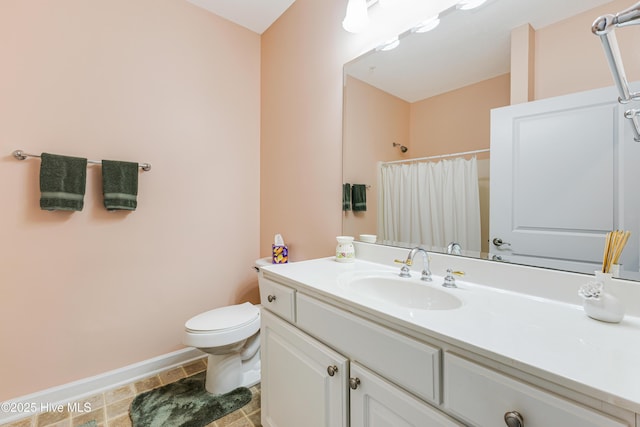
[356, 19]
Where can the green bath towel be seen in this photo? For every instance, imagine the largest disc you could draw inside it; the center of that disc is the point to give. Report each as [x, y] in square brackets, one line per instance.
[359, 197]
[120, 185]
[346, 197]
[62, 182]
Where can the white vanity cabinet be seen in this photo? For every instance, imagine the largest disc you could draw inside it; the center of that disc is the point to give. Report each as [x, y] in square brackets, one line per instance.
[327, 363]
[307, 383]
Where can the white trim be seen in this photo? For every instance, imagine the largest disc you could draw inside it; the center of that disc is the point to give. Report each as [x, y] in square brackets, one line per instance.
[90, 386]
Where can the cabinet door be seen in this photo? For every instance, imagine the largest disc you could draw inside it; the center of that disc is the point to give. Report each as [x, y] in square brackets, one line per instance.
[304, 383]
[376, 402]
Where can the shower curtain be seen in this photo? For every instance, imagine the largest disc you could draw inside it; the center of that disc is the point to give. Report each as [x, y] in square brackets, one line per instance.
[430, 203]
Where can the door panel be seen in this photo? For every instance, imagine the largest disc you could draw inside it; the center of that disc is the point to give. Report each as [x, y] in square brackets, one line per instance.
[377, 403]
[557, 168]
[297, 388]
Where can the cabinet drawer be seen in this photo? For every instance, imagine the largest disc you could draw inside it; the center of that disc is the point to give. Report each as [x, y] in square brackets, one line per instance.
[482, 396]
[409, 363]
[277, 298]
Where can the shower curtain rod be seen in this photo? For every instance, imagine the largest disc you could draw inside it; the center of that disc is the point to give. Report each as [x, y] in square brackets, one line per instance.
[441, 156]
[21, 155]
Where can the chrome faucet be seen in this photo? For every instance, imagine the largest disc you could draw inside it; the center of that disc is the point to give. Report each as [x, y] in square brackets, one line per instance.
[426, 273]
[454, 248]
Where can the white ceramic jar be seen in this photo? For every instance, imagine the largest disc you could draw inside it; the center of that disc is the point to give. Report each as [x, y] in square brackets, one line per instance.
[605, 307]
[345, 252]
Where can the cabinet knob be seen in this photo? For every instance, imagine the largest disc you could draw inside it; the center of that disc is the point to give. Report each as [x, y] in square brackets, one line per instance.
[513, 419]
[271, 298]
[331, 370]
[354, 383]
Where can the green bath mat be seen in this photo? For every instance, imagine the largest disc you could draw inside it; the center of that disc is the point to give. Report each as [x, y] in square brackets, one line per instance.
[185, 403]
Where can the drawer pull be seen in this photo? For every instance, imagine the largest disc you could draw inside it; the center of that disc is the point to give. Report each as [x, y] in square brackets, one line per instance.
[513, 419]
[354, 383]
[271, 298]
[331, 370]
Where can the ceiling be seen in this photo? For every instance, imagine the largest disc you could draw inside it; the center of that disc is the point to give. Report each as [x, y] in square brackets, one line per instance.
[256, 15]
[467, 47]
[475, 44]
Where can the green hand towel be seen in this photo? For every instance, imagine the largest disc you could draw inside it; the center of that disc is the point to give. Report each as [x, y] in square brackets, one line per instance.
[359, 197]
[120, 185]
[62, 182]
[346, 197]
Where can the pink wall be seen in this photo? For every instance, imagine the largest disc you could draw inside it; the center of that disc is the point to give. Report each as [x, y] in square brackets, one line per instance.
[458, 120]
[374, 120]
[158, 81]
[569, 58]
[301, 127]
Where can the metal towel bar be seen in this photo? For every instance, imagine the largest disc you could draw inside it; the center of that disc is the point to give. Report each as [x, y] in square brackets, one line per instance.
[21, 155]
[604, 27]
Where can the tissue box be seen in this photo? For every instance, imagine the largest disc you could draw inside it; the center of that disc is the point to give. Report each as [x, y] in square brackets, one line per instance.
[280, 254]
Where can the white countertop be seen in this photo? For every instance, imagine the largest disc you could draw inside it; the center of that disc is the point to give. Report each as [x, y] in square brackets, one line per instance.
[547, 338]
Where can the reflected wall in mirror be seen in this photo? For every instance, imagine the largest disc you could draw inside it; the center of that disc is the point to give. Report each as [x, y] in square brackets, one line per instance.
[435, 92]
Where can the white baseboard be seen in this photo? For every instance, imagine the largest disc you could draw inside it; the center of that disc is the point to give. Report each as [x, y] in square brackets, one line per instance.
[77, 390]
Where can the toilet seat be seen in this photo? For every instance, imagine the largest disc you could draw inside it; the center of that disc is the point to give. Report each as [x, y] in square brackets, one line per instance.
[222, 326]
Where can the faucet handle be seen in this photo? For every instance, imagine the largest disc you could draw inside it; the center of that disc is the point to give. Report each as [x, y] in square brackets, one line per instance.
[449, 280]
[404, 271]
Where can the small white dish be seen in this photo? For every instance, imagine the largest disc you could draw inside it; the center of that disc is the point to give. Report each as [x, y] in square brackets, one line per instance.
[368, 238]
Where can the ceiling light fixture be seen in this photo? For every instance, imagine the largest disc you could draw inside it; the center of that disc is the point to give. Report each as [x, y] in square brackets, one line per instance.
[470, 4]
[426, 25]
[357, 18]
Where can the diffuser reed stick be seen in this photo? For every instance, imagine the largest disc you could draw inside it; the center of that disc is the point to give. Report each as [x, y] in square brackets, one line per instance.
[613, 247]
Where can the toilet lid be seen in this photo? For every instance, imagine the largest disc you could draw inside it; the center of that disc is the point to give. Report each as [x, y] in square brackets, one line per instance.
[229, 317]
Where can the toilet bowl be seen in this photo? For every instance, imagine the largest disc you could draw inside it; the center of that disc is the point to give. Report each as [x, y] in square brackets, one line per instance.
[231, 337]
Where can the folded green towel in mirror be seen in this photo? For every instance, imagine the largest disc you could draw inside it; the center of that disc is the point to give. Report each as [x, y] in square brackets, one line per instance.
[346, 197]
[359, 197]
[63, 181]
[120, 185]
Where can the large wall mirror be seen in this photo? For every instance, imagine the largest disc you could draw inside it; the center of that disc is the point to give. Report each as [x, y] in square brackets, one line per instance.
[432, 97]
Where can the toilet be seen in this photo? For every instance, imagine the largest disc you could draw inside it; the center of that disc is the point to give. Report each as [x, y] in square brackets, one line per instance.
[231, 337]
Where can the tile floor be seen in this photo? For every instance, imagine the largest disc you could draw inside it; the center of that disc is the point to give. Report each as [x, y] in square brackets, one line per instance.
[111, 408]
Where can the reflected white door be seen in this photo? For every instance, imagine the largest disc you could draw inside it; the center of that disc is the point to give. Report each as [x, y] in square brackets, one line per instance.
[557, 167]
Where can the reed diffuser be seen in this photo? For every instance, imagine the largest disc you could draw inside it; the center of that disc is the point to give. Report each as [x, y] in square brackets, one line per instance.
[613, 247]
[598, 302]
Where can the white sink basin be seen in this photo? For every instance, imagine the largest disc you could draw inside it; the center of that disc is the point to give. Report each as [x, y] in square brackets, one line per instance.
[405, 292]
